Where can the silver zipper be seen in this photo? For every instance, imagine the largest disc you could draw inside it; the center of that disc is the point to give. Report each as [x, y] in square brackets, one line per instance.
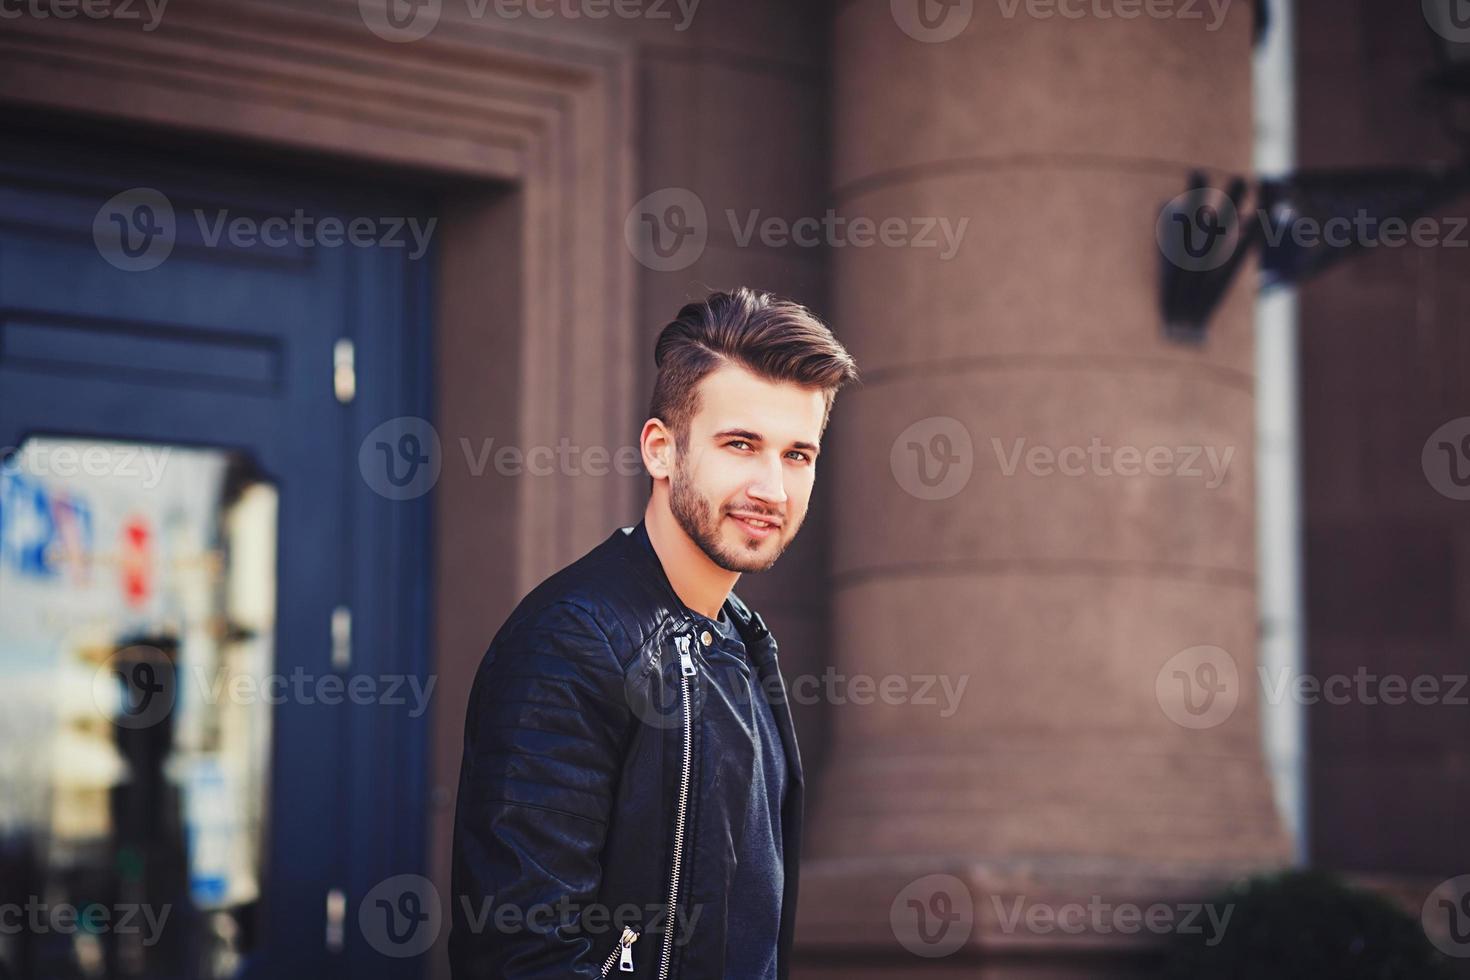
[686, 671]
[623, 953]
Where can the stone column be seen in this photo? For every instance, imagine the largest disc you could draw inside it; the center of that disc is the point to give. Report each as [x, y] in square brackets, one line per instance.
[1038, 496]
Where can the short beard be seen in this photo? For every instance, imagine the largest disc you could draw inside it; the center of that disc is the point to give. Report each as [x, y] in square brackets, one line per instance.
[694, 514]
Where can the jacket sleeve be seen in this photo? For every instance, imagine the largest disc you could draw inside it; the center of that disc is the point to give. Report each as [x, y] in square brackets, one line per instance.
[542, 752]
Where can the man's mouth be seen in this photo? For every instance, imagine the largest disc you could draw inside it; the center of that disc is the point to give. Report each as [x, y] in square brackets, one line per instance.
[754, 526]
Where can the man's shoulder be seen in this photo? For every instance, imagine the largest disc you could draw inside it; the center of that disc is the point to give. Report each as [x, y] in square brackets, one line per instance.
[612, 591]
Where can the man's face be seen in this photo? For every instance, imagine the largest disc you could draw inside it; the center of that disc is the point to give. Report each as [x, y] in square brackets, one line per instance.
[752, 451]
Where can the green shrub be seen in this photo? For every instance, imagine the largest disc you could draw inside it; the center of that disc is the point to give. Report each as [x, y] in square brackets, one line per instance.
[1306, 925]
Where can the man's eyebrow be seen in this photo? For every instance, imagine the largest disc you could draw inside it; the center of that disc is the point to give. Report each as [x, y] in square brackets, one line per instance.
[756, 437]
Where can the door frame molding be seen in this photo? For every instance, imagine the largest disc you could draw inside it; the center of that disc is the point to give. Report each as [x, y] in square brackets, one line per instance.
[549, 122]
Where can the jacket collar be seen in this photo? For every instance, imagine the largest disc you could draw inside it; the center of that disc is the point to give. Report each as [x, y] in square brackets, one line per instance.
[760, 645]
[758, 640]
[753, 629]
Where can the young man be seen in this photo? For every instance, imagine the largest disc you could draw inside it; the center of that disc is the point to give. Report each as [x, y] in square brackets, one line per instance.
[630, 793]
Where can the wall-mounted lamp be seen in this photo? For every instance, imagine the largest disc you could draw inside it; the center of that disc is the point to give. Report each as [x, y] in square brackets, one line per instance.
[1308, 221]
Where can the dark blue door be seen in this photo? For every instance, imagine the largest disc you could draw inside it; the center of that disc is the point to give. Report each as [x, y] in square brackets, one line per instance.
[212, 607]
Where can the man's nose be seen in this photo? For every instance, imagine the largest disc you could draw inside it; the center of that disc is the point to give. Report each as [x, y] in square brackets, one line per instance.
[771, 487]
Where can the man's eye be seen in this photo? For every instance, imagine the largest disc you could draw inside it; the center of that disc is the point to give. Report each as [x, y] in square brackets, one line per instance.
[739, 442]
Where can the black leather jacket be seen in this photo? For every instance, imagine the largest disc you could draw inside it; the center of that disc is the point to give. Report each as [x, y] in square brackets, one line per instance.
[602, 779]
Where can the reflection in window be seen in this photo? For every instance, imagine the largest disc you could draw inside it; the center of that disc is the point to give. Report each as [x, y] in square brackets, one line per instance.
[137, 616]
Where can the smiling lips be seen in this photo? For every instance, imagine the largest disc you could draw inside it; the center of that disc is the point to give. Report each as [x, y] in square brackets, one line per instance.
[754, 526]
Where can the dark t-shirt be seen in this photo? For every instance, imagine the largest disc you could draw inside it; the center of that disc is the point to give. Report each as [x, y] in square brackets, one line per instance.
[754, 921]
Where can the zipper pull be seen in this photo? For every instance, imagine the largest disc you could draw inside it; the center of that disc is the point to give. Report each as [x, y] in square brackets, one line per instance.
[625, 963]
[686, 660]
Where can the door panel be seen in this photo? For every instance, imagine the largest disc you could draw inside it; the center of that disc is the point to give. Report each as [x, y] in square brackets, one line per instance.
[211, 566]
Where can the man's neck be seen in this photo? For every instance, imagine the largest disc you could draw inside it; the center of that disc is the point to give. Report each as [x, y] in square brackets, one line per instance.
[700, 584]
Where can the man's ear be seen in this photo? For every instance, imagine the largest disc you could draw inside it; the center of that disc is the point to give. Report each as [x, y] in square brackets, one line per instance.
[657, 448]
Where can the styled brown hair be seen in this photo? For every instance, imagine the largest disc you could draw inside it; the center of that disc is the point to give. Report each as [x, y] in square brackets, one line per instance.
[773, 338]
